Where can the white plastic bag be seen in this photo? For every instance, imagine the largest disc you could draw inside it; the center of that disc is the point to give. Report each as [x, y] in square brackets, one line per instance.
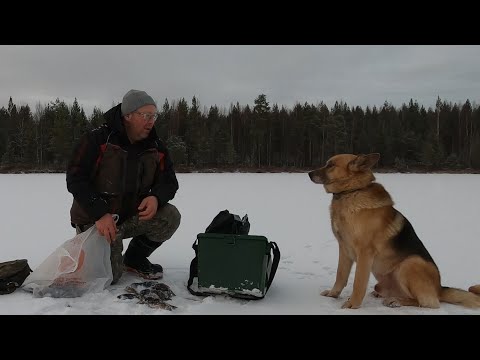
[80, 265]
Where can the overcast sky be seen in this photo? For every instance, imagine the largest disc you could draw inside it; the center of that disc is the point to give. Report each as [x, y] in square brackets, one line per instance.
[99, 75]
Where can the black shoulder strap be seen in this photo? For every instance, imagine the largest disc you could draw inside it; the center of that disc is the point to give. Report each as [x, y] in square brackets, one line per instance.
[275, 261]
[194, 271]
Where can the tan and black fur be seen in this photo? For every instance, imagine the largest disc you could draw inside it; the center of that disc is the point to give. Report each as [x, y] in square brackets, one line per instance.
[372, 233]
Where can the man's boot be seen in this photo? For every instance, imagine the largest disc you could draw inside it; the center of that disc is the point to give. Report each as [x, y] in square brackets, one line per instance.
[135, 258]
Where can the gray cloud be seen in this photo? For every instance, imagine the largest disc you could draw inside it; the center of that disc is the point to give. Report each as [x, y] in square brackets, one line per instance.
[99, 75]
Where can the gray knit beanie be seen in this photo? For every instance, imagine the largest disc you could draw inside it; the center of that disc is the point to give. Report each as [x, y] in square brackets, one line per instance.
[135, 99]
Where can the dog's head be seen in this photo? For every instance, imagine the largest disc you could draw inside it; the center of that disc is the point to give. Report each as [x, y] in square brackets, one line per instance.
[345, 172]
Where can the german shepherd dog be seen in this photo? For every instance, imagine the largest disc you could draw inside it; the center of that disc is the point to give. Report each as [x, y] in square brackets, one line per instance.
[372, 233]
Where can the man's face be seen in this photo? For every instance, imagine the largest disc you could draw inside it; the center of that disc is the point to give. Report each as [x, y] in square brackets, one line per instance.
[140, 122]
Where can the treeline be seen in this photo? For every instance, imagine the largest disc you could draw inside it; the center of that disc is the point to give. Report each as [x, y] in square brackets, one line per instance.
[261, 137]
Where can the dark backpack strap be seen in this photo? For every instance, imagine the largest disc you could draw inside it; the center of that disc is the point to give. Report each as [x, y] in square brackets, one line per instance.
[275, 261]
[194, 271]
[193, 267]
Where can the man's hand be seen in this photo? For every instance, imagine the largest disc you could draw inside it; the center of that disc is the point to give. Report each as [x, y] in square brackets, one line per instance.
[106, 227]
[148, 208]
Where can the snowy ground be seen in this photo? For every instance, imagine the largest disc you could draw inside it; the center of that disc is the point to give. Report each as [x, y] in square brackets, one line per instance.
[286, 208]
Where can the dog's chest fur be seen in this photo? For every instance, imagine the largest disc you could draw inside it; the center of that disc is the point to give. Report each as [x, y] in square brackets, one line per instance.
[354, 214]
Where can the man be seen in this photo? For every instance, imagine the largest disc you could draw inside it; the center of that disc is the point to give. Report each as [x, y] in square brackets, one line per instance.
[123, 168]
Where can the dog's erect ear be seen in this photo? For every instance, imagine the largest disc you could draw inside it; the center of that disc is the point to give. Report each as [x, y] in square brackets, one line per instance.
[364, 162]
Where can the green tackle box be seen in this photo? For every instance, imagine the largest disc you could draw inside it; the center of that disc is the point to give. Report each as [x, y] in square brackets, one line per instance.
[237, 265]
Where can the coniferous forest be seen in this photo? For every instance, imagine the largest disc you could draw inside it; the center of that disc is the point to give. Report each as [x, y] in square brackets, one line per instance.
[260, 137]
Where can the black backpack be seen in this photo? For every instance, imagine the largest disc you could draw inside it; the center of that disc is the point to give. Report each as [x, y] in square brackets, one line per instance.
[12, 275]
[227, 223]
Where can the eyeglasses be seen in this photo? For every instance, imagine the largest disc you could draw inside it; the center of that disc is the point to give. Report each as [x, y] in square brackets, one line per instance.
[147, 116]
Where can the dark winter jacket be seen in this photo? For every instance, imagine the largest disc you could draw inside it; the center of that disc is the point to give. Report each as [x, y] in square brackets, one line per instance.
[108, 174]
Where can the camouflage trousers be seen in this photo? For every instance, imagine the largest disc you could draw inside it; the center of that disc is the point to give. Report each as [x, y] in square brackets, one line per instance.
[159, 229]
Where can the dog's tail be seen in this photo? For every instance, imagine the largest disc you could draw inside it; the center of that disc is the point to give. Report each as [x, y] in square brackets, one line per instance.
[474, 289]
[461, 297]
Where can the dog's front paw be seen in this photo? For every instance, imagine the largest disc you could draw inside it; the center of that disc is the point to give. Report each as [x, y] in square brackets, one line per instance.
[330, 293]
[349, 305]
[391, 302]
